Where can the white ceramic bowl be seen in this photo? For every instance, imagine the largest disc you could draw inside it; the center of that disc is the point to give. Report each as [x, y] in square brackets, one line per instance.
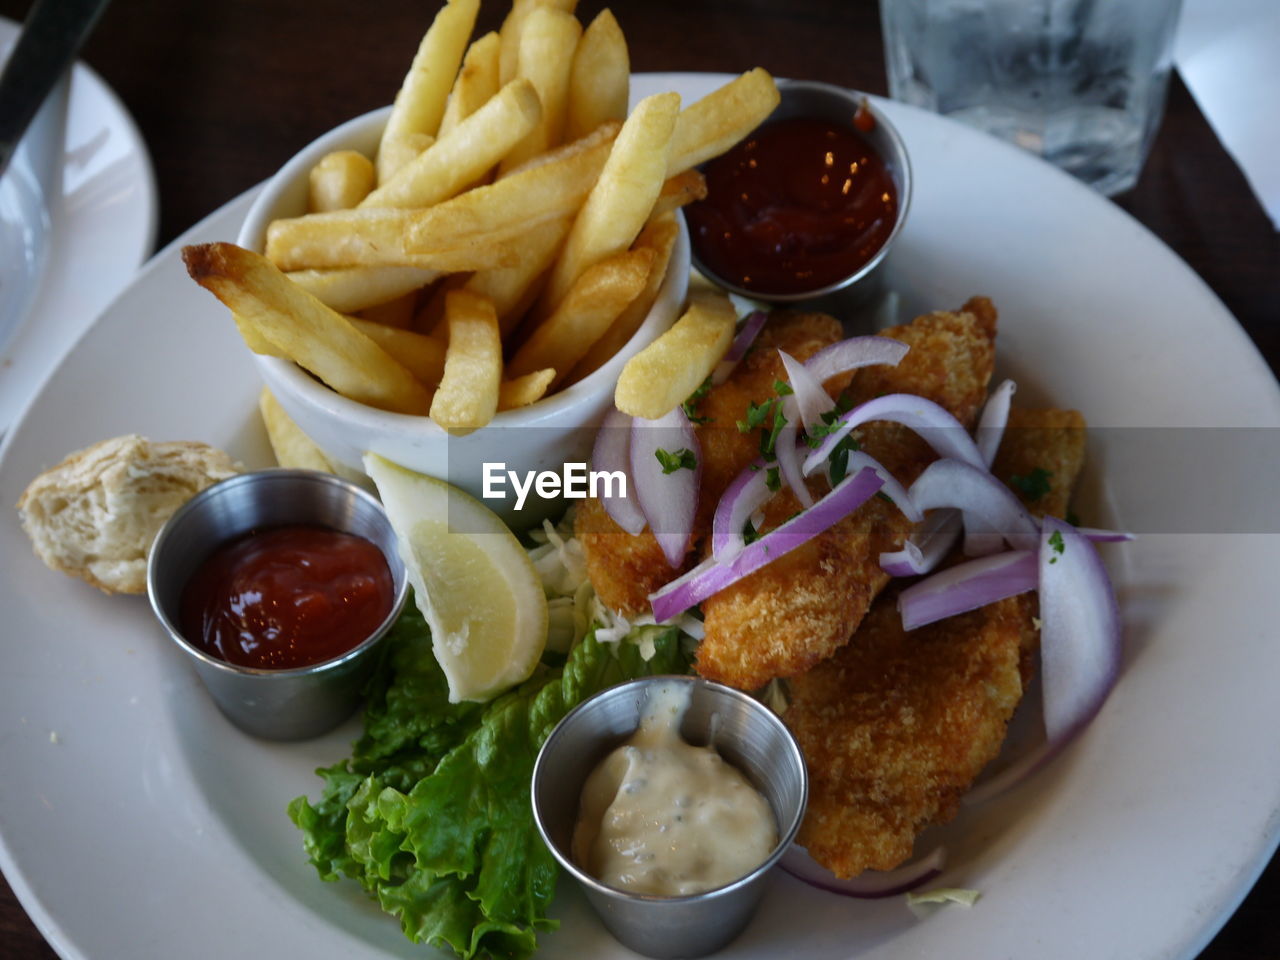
[540, 437]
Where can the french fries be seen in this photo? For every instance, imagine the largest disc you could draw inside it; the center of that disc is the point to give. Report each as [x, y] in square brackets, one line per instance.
[595, 300]
[623, 197]
[352, 289]
[715, 123]
[600, 82]
[419, 106]
[292, 447]
[316, 337]
[512, 208]
[547, 42]
[662, 375]
[659, 235]
[339, 181]
[477, 82]
[525, 390]
[464, 154]
[468, 394]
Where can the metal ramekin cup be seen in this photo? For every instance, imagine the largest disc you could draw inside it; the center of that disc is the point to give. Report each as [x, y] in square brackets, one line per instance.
[273, 704]
[746, 733]
[808, 98]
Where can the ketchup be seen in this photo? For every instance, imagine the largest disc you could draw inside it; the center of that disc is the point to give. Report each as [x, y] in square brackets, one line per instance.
[287, 597]
[800, 205]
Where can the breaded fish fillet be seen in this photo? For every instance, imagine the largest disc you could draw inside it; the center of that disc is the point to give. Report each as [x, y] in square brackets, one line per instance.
[896, 726]
[798, 610]
[624, 569]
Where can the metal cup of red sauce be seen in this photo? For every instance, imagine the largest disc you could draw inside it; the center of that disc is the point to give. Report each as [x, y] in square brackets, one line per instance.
[746, 733]
[805, 210]
[278, 586]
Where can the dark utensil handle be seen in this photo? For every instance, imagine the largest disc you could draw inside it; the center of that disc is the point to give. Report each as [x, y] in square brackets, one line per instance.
[51, 37]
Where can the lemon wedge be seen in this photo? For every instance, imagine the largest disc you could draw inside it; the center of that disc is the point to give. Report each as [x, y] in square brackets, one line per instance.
[472, 580]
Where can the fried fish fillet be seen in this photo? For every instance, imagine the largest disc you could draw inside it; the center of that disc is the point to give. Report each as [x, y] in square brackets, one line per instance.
[896, 726]
[625, 569]
[794, 613]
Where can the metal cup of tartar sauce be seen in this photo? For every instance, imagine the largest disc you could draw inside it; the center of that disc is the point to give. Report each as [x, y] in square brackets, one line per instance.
[749, 738]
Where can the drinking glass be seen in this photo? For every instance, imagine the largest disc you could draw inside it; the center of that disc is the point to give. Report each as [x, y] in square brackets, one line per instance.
[1081, 83]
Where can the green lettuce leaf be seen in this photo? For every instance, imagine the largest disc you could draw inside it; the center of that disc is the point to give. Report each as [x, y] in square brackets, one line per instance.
[432, 813]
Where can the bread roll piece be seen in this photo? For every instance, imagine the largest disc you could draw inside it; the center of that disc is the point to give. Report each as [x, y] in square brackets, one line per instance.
[95, 514]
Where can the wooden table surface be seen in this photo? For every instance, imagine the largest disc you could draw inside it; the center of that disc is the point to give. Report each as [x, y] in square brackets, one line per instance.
[224, 93]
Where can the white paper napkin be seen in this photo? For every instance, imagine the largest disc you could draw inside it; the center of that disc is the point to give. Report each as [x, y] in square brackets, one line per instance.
[1228, 52]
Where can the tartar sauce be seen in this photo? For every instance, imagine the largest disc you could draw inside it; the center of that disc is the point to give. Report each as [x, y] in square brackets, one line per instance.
[662, 817]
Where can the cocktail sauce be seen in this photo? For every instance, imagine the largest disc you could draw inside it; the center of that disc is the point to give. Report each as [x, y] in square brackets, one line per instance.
[286, 597]
[800, 205]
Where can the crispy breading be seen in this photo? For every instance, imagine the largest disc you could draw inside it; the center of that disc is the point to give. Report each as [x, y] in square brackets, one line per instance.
[798, 610]
[624, 569]
[1048, 440]
[896, 726]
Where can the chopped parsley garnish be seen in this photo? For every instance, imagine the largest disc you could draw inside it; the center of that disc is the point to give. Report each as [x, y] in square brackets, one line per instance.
[691, 405]
[839, 458]
[682, 459]
[782, 388]
[757, 414]
[749, 532]
[1034, 485]
[772, 480]
[1059, 546]
[769, 441]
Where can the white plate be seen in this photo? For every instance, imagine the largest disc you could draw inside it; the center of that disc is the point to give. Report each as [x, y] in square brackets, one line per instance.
[152, 828]
[101, 219]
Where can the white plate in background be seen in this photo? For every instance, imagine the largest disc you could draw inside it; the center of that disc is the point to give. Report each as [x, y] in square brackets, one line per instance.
[101, 223]
[153, 828]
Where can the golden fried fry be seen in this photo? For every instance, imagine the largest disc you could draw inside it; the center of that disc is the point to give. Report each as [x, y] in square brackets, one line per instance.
[582, 317]
[525, 390]
[316, 337]
[379, 238]
[715, 123]
[513, 289]
[394, 313]
[477, 81]
[600, 82]
[421, 355]
[661, 376]
[679, 191]
[489, 215]
[621, 200]
[419, 105]
[352, 289]
[293, 448]
[659, 235]
[512, 29]
[547, 42]
[466, 153]
[339, 181]
[468, 394]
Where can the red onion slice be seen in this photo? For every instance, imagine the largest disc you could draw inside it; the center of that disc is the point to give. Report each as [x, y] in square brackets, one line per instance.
[1080, 638]
[929, 544]
[809, 399]
[710, 577]
[787, 450]
[1081, 645]
[748, 492]
[994, 419]
[612, 452]
[751, 328]
[854, 353]
[943, 432]
[967, 586]
[980, 497]
[892, 489]
[669, 500]
[868, 885]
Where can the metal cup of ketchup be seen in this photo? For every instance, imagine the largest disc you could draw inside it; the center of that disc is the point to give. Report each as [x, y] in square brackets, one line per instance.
[278, 586]
[804, 211]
